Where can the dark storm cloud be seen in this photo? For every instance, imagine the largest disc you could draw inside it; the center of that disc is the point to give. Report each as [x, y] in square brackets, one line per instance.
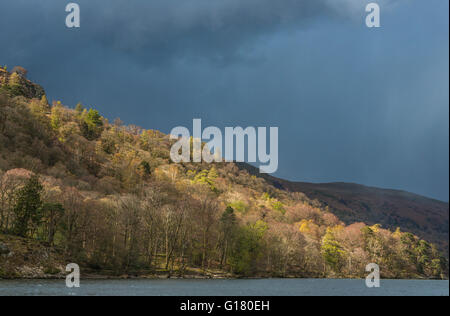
[353, 104]
[219, 30]
[157, 31]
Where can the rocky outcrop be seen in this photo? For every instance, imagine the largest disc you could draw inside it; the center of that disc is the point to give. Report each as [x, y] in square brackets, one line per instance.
[16, 84]
[26, 258]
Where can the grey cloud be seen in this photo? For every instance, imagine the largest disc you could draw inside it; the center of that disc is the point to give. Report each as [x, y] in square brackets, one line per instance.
[160, 31]
[157, 31]
[218, 30]
[356, 105]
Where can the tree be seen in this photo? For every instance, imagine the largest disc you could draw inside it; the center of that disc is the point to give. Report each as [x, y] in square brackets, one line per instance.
[44, 101]
[207, 216]
[79, 108]
[56, 120]
[424, 257]
[20, 71]
[15, 85]
[145, 169]
[91, 124]
[52, 213]
[332, 251]
[247, 248]
[10, 182]
[228, 227]
[28, 206]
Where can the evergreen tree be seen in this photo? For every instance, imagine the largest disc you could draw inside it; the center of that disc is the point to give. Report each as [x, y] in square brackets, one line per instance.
[332, 251]
[27, 209]
[92, 124]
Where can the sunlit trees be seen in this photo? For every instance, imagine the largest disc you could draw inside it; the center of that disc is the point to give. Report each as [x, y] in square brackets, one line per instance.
[332, 252]
[56, 119]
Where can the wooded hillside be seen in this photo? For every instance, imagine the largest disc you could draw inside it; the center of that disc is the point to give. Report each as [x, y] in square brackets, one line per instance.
[108, 197]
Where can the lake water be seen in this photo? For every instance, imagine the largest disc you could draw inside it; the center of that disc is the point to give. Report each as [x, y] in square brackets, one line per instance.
[259, 287]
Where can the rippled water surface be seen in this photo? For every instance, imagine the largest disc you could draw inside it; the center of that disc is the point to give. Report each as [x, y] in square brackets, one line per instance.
[260, 287]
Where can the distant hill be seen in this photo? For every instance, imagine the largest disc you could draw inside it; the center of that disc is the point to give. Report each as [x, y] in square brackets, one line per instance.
[425, 217]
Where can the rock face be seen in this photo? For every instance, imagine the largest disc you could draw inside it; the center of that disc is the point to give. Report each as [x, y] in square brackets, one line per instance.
[16, 85]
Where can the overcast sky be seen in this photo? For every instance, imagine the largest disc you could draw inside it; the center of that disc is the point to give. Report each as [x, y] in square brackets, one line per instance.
[352, 104]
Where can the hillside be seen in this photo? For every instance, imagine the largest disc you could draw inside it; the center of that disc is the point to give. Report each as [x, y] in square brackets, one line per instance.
[108, 197]
[350, 202]
[427, 218]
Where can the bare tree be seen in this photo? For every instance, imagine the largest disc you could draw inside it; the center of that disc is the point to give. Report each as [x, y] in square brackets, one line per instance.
[20, 71]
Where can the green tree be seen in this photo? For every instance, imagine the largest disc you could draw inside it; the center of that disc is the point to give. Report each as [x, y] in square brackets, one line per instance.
[424, 257]
[145, 169]
[409, 243]
[27, 209]
[56, 120]
[247, 248]
[92, 124]
[332, 252]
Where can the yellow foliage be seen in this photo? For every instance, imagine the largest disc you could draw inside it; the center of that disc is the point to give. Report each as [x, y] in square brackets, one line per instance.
[397, 234]
[307, 227]
[375, 228]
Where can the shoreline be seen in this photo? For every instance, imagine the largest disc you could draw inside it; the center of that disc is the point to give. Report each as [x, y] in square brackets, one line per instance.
[93, 277]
